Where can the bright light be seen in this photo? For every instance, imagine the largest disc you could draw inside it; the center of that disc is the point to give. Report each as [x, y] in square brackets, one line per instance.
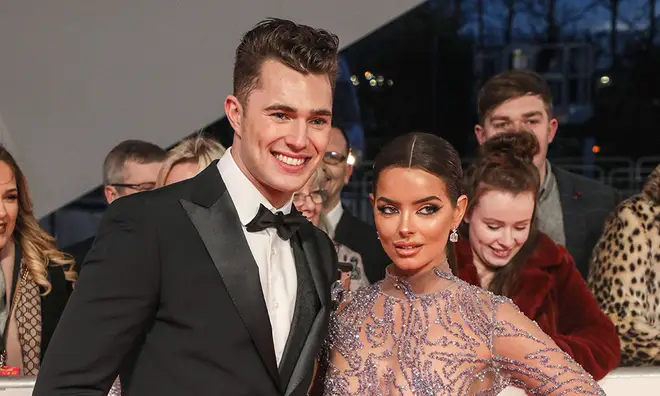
[350, 160]
[354, 78]
[368, 75]
[372, 83]
[595, 149]
[605, 80]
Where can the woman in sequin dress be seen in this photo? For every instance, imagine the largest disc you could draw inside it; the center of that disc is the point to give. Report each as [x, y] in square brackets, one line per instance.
[422, 331]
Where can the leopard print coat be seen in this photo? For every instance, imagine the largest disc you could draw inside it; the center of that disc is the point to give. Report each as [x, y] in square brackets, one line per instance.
[625, 274]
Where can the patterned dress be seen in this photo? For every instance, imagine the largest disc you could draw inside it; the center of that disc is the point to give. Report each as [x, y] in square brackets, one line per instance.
[437, 335]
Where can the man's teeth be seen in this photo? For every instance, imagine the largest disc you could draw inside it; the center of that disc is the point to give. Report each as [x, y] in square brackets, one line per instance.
[289, 160]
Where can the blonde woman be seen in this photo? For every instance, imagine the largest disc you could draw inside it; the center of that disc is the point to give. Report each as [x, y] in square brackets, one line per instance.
[188, 158]
[36, 278]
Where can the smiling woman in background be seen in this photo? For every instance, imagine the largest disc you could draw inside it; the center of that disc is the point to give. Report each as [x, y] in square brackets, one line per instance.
[505, 254]
[36, 278]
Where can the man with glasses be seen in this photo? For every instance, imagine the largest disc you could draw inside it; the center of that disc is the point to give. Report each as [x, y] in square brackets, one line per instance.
[344, 227]
[130, 167]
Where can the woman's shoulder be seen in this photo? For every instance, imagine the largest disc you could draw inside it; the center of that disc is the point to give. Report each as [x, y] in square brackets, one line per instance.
[361, 299]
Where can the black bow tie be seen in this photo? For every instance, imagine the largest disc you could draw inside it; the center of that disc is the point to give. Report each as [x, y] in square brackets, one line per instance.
[286, 225]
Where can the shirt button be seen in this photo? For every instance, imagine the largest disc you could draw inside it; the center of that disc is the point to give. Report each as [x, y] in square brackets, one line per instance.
[276, 305]
[273, 252]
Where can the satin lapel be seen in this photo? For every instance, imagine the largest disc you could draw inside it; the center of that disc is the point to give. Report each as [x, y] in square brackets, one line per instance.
[304, 365]
[307, 307]
[220, 230]
[573, 215]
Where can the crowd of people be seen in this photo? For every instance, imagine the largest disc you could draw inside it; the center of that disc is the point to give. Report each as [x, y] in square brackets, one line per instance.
[238, 270]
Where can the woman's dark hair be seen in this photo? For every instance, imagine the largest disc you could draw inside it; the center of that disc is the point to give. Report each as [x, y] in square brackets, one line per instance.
[506, 164]
[431, 154]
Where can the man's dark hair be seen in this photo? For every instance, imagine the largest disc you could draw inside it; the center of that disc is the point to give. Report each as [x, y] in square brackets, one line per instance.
[512, 84]
[137, 151]
[341, 128]
[302, 48]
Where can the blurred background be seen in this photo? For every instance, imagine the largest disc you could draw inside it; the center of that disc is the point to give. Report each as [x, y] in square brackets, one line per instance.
[80, 76]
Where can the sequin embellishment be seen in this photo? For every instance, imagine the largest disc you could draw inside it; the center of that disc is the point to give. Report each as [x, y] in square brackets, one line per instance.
[456, 340]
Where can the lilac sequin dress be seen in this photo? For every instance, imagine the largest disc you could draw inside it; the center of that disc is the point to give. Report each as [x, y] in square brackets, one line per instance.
[437, 335]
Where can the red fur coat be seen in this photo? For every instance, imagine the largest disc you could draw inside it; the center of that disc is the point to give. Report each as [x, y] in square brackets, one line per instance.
[552, 292]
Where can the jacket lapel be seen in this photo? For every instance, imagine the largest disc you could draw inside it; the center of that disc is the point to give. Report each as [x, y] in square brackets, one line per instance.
[307, 306]
[213, 214]
[305, 354]
[573, 214]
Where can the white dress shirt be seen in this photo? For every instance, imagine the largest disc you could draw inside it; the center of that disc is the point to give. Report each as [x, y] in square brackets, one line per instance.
[332, 219]
[274, 256]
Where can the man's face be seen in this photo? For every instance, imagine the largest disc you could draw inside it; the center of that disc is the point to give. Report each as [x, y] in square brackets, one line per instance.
[336, 167]
[525, 113]
[282, 131]
[136, 177]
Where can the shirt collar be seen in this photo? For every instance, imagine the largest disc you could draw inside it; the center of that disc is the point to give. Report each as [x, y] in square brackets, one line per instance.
[548, 180]
[334, 215]
[245, 196]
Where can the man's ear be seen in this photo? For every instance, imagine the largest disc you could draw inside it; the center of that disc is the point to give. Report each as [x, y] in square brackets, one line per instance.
[234, 112]
[553, 124]
[110, 193]
[480, 133]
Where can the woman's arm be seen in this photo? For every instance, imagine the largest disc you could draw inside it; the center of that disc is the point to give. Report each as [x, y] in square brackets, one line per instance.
[533, 361]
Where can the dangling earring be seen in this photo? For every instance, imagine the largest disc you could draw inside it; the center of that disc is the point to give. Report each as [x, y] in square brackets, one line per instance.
[378, 235]
[453, 237]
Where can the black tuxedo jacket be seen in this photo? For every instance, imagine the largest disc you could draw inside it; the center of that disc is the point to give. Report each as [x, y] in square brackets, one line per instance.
[586, 204]
[171, 298]
[362, 238]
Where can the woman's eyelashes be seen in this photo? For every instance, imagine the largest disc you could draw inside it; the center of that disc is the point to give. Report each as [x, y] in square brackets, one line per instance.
[424, 210]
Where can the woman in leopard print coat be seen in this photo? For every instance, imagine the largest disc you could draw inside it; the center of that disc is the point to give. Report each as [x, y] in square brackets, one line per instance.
[625, 274]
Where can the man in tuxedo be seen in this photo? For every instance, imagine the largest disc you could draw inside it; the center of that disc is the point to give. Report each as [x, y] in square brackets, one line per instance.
[571, 209]
[216, 285]
[343, 226]
[130, 167]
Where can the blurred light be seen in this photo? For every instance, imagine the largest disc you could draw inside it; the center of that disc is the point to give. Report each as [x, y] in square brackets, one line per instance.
[380, 79]
[372, 83]
[368, 75]
[605, 80]
[354, 78]
[595, 149]
[356, 82]
[350, 160]
[390, 82]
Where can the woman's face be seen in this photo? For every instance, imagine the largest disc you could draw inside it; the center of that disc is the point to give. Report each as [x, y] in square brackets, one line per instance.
[309, 200]
[499, 226]
[8, 204]
[414, 216]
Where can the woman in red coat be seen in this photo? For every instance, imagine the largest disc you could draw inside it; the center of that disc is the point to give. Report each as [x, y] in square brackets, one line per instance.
[505, 254]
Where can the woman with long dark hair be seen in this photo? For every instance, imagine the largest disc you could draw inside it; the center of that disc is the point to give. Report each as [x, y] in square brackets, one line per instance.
[421, 330]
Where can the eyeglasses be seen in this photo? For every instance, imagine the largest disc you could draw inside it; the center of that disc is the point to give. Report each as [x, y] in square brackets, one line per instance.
[334, 157]
[139, 187]
[317, 197]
